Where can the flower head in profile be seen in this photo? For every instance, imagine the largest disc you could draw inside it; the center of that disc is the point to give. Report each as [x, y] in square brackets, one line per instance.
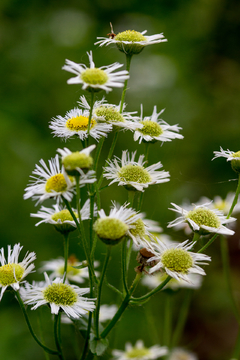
[232, 156]
[203, 219]
[61, 218]
[182, 354]
[110, 114]
[12, 272]
[75, 122]
[132, 174]
[78, 161]
[51, 182]
[112, 228]
[176, 260]
[154, 129]
[77, 271]
[59, 296]
[130, 41]
[96, 79]
[140, 352]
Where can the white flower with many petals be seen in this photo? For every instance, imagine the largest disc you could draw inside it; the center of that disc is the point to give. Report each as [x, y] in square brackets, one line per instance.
[59, 296]
[75, 122]
[232, 156]
[76, 271]
[182, 354]
[12, 272]
[154, 129]
[77, 161]
[95, 79]
[130, 41]
[112, 228]
[203, 219]
[140, 352]
[176, 260]
[51, 182]
[132, 174]
[110, 113]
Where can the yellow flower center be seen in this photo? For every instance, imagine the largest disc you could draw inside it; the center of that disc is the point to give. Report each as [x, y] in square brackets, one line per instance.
[205, 217]
[139, 228]
[177, 260]
[63, 215]
[110, 228]
[150, 128]
[10, 274]
[110, 114]
[130, 35]
[56, 183]
[137, 353]
[60, 294]
[79, 123]
[77, 160]
[134, 173]
[94, 76]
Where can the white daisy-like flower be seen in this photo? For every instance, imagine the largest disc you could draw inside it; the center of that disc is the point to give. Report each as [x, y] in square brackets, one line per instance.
[224, 205]
[132, 174]
[232, 156]
[76, 271]
[110, 113]
[112, 228]
[140, 352]
[59, 296]
[155, 129]
[12, 272]
[153, 281]
[59, 216]
[203, 219]
[130, 41]
[51, 182]
[107, 312]
[75, 122]
[176, 260]
[182, 354]
[96, 79]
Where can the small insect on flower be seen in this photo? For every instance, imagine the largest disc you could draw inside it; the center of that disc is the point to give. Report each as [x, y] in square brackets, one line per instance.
[143, 257]
[111, 35]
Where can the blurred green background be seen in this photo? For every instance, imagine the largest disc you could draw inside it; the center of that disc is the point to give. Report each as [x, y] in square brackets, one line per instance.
[195, 76]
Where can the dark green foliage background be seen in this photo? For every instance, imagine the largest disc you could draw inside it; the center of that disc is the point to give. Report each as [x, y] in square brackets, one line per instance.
[195, 76]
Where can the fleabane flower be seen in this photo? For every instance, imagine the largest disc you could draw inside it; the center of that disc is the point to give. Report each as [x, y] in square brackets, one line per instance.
[110, 114]
[130, 41]
[75, 122]
[59, 296]
[112, 228]
[12, 272]
[182, 354]
[232, 156]
[76, 161]
[77, 271]
[176, 260]
[203, 219]
[152, 281]
[154, 129]
[132, 174]
[96, 79]
[61, 218]
[140, 352]
[51, 182]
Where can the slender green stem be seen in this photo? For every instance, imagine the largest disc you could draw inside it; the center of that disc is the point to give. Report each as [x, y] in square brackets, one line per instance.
[154, 291]
[124, 267]
[128, 63]
[90, 115]
[208, 243]
[50, 351]
[41, 334]
[236, 351]
[131, 195]
[66, 247]
[235, 198]
[98, 152]
[226, 270]
[140, 200]
[87, 255]
[181, 318]
[122, 307]
[57, 336]
[109, 248]
[146, 151]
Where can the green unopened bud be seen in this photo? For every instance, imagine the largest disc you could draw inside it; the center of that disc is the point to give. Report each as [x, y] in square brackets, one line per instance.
[132, 48]
[236, 163]
[77, 160]
[110, 230]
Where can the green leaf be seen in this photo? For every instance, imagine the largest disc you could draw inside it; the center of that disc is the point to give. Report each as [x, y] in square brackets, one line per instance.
[97, 346]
